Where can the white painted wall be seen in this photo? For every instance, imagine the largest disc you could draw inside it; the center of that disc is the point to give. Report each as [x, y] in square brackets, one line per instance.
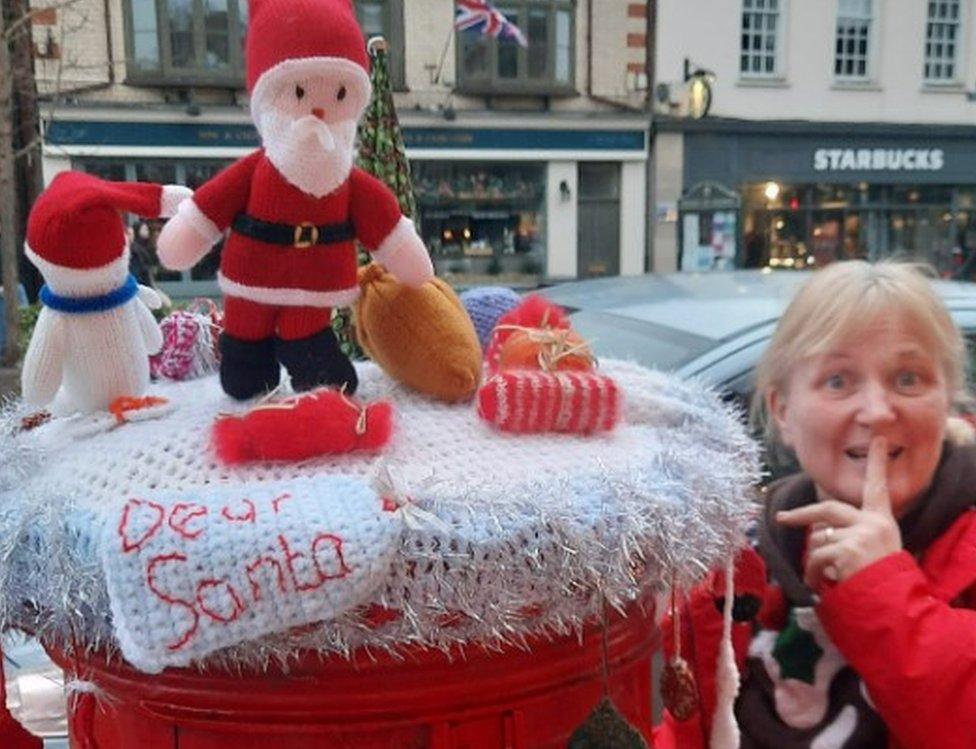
[83, 30]
[53, 164]
[633, 217]
[707, 32]
[561, 221]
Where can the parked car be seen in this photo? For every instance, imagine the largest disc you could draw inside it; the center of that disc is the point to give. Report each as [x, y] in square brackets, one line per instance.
[713, 326]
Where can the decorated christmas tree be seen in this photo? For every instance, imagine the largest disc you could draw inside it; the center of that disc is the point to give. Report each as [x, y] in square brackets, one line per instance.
[381, 150]
[382, 154]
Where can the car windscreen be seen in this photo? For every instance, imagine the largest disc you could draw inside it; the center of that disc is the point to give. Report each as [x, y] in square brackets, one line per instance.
[650, 344]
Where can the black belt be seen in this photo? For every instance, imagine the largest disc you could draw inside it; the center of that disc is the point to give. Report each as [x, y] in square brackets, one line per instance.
[303, 235]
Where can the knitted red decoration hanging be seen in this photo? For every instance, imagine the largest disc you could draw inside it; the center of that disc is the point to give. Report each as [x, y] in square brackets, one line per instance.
[320, 422]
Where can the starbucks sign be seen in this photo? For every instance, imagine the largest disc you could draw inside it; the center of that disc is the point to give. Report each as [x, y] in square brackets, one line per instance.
[878, 159]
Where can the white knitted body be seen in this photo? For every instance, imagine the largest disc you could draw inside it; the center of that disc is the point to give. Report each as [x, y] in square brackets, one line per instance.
[513, 535]
[94, 358]
[83, 362]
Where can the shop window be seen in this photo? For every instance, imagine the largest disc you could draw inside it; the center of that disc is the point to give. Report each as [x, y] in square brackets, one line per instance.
[385, 18]
[498, 66]
[185, 42]
[821, 223]
[942, 41]
[761, 39]
[483, 223]
[852, 46]
[197, 281]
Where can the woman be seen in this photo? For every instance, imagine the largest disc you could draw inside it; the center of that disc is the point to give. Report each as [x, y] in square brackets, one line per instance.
[854, 612]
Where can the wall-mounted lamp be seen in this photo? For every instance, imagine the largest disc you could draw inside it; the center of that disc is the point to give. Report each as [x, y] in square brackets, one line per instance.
[564, 192]
[699, 89]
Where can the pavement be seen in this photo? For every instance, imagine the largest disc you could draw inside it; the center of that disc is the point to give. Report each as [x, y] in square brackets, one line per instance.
[35, 690]
[9, 382]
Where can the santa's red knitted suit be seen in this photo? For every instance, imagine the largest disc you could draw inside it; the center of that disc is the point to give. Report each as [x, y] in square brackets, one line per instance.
[294, 206]
[287, 279]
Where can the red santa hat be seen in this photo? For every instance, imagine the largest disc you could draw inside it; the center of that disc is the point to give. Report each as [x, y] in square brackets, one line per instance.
[288, 37]
[75, 223]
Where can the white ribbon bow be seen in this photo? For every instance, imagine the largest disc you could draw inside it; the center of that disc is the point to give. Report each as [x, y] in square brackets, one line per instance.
[392, 488]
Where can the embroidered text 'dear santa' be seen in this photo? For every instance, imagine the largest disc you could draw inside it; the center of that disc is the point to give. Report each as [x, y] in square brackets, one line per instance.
[93, 338]
[295, 206]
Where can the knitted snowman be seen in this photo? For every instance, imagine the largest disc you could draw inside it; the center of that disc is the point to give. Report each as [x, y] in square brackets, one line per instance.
[93, 338]
[295, 206]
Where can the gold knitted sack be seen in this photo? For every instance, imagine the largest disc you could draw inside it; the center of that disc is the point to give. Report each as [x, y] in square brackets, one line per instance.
[422, 337]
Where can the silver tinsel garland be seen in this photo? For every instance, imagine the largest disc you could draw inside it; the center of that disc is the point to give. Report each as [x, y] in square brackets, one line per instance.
[501, 566]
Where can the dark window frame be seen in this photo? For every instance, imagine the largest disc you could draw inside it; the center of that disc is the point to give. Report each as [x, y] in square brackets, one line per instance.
[395, 55]
[758, 56]
[166, 74]
[493, 84]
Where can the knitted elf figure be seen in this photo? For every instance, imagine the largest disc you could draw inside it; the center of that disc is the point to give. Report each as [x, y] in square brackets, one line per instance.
[94, 335]
[295, 206]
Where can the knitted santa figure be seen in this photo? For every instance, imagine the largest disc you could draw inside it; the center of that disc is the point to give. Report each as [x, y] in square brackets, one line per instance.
[295, 206]
[95, 332]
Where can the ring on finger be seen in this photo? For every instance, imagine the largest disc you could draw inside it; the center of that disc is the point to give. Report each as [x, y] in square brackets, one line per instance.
[828, 534]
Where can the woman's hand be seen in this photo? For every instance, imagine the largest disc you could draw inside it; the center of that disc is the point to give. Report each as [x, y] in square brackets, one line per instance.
[845, 539]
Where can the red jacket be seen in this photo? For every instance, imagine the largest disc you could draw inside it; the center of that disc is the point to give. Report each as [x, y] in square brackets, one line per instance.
[907, 628]
[323, 275]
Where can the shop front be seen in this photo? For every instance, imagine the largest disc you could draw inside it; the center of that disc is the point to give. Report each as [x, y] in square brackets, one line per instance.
[483, 219]
[503, 204]
[811, 194]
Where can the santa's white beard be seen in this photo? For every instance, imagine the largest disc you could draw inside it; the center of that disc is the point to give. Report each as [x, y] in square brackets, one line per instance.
[313, 155]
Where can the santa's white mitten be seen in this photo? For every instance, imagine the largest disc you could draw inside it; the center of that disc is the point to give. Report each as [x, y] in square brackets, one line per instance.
[404, 255]
[186, 238]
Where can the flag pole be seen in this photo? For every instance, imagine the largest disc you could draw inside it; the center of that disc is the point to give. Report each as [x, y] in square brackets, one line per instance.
[447, 46]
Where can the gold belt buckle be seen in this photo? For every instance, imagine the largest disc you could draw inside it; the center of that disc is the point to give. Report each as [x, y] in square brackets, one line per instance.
[299, 239]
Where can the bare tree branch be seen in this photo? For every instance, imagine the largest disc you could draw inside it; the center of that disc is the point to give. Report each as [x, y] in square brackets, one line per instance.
[8, 204]
[24, 150]
[26, 18]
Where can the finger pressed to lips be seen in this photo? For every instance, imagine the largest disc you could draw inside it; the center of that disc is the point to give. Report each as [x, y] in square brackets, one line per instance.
[829, 512]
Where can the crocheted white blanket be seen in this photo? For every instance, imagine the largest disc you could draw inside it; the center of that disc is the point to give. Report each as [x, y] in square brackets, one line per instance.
[136, 536]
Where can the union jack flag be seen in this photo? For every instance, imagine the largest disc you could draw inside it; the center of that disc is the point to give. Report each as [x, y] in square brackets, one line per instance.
[485, 18]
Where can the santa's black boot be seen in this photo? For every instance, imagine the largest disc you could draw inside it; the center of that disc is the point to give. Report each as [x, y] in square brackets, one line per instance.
[317, 360]
[247, 368]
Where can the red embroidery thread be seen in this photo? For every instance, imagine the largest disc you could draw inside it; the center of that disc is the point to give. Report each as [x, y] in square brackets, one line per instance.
[151, 584]
[255, 566]
[247, 517]
[129, 545]
[238, 604]
[276, 502]
[337, 547]
[187, 513]
[290, 556]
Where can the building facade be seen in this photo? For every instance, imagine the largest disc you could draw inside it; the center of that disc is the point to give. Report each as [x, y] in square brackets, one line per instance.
[530, 164]
[836, 129]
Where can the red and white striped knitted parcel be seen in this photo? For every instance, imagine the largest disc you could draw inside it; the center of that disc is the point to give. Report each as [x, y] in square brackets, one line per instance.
[498, 536]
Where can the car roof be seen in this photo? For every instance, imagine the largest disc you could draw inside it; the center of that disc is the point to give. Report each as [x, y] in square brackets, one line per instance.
[716, 305]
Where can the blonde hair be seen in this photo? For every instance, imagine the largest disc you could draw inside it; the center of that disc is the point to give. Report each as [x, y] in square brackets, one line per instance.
[844, 299]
